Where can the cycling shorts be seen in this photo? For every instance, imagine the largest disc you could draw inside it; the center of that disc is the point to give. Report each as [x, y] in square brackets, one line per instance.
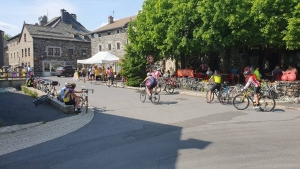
[215, 86]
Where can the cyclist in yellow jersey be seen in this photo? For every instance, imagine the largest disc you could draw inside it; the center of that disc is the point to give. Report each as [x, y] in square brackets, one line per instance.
[216, 77]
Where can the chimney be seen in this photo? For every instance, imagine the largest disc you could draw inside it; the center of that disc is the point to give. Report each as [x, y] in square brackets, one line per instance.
[44, 20]
[63, 15]
[110, 19]
[74, 16]
[1, 49]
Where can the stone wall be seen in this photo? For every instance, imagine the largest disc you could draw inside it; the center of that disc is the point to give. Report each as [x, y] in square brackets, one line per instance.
[40, 53]
[112, 39]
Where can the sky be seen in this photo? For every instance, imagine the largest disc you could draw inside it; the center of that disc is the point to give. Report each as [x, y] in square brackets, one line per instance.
[92, 14]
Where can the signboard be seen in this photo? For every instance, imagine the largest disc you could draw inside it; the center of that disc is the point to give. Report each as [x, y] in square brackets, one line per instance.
[150, 59]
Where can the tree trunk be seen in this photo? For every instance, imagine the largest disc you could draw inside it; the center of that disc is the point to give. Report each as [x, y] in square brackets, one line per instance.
[182, 60]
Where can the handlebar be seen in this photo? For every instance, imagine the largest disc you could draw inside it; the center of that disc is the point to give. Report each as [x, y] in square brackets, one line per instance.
[87, 90]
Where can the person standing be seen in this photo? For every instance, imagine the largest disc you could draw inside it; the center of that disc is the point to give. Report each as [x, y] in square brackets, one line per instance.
[92, 74]
[257, 74]
[235, 72]
[108, 74]
[83, 72]
[276, 72]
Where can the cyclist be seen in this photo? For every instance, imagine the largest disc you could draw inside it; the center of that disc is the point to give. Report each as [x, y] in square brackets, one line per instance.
[70, 98]
[150, 84]
[216, 83]
[251, 80]
[62, 91]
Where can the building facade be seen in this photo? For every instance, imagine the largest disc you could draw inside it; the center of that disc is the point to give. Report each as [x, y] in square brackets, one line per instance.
[111, 38]
[48, 45]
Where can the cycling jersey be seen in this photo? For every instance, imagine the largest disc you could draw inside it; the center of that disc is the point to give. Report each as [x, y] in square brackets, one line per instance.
[217, 78]
[252, 81]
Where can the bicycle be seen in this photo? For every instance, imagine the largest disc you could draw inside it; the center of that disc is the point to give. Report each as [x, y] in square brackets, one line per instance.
[228, 92]
[111, 80]
[41, 99]
[84, 98]
[53, 90]
[244, 98]
[155, 98]
[214, 93]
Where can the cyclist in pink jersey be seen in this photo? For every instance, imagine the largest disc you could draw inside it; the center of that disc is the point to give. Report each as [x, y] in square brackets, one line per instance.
[252, 81]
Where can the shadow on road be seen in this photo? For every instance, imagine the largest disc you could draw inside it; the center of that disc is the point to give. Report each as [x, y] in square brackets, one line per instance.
[109, 141]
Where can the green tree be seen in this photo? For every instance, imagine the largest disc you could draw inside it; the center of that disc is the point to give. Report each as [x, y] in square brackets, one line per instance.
[7, 36]
[271, 17]
[292, 37]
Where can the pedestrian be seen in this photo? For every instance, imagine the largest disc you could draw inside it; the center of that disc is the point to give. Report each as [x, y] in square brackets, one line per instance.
[83, 72]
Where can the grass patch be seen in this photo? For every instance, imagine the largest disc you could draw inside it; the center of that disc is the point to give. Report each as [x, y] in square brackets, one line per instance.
[31, 93]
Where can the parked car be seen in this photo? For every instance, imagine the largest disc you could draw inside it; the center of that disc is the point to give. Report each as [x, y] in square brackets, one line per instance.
[66, 71]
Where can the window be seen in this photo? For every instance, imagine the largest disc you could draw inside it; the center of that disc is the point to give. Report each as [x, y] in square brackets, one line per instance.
[17, 53]
[22, 52]
[99, 35]
[100, 48]
[108, 33]
[70, 52]
[11, 55]
[50, 51]
[25, 52]
[83, 53]
[57, 51]
[24, 37]
[118, 31]
[118, 45]
[14, 55]
[28, 51]
[109, 46]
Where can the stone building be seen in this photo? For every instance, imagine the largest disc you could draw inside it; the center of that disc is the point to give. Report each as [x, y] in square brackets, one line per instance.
[50, 44]
[111, 37]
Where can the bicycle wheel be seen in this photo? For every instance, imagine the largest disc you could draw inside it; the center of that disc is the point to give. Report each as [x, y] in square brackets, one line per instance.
[207, 96]
[143, 95]
[158, 88]
[170, 89]
[37, 102]
[240, 102]
[155, 98]
[224, 98]
[267, 103]
[86, 104]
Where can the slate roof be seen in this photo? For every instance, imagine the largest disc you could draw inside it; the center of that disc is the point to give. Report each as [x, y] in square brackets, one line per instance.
[116, 24]
[60, 30]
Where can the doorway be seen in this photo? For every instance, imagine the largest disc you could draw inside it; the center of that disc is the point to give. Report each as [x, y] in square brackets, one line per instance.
[49, 67]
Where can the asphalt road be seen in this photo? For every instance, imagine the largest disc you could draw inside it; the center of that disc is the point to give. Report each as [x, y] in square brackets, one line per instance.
[181, 132]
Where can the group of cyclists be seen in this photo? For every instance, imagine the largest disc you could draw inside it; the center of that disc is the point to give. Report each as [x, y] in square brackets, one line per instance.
[151, 82]
[250, 80]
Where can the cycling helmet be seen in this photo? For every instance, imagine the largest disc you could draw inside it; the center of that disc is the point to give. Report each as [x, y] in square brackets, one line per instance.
[149, 74]
[158, 69]
[73, 85]
[246, 73]
[216, 72]
[67, 84]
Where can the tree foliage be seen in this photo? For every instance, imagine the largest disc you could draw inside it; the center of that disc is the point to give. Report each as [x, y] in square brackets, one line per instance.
[7, 36]
[292, 37]
[180, 29]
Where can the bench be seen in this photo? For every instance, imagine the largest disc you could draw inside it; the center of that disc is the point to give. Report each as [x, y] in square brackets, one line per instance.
[55, 102]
